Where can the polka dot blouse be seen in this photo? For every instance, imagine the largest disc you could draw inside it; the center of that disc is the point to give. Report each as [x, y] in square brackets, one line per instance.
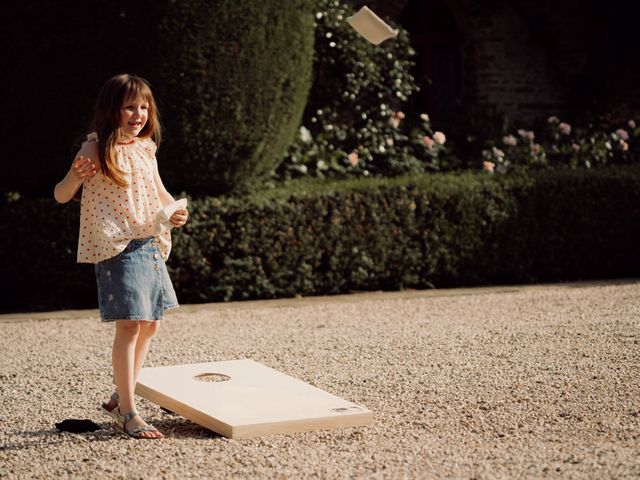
[111, 216]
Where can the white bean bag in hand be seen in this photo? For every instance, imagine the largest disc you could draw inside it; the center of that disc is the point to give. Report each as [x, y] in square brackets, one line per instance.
[163, 216]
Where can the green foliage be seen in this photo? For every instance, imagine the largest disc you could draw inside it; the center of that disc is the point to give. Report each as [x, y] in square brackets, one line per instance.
[39, 241]
[313, 238]
[353, 124]
[234, 80]
[492, 139]
[353, 77]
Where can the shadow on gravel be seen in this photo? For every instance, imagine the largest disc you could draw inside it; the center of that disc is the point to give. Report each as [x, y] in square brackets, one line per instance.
[176, 427]
[40, 438]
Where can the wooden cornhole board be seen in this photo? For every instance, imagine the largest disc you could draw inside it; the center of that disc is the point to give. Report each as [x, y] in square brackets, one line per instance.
[251, 400]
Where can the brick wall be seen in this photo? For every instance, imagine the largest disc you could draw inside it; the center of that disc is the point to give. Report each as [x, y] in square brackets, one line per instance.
[509, 69]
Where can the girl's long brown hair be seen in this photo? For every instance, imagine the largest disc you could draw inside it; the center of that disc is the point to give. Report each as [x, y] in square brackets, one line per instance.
[106, 120]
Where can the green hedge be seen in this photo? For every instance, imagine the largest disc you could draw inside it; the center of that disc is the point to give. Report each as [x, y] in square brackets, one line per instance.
[234, 78]
[324, 238]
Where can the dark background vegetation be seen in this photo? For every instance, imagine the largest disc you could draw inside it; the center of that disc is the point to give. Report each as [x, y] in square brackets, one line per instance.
[233, 80]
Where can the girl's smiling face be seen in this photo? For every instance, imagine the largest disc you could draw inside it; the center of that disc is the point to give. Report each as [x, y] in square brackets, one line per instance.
[133, 116]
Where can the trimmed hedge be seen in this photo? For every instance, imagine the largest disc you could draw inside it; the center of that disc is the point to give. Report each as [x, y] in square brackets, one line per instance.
[315, 238]
[234, 78]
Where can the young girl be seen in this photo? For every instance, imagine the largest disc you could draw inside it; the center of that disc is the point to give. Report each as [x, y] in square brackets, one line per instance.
[116, 174]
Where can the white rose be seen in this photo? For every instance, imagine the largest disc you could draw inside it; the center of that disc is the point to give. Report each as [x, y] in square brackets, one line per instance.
[439, 137]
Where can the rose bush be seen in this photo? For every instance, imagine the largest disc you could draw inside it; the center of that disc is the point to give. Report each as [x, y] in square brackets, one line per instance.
[563, 145]
[354, 124]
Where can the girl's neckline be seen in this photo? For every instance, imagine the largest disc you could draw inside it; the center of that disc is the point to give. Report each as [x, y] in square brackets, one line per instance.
[127, 143]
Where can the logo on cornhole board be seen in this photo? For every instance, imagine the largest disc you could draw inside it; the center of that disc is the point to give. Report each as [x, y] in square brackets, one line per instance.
[243, 399]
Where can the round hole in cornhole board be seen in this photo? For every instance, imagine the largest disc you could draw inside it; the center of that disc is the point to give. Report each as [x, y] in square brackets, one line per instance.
[212, 377]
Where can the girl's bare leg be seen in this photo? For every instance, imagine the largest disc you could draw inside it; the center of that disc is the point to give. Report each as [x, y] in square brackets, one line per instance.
[143, 342]
[124, 367]
[147, 331]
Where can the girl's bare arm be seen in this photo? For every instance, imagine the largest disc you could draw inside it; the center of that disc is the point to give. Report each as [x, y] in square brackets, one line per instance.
[83, 166]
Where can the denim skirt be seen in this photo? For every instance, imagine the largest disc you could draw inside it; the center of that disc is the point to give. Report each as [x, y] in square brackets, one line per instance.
[135, 284]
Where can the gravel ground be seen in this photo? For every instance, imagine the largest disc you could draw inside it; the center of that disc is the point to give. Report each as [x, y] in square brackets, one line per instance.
[520, 382]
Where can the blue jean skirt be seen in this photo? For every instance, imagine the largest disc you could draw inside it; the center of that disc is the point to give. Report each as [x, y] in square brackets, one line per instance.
[135, 284]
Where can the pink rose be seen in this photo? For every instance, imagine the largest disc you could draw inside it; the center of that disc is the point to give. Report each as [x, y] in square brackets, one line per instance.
[497, 152]
[632, 124]
[527, 134]
[564, 128]
[623, 145]
[510, 140]
[424, 117]
[488, 166]
[535, 149]
[439, 137]
[394, 121]
[428, 141]
[400, 115]
[575, 147]
[622, 134]
[353, 159]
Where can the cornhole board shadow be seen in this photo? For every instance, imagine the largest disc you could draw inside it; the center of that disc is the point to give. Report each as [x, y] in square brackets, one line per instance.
[243, 399]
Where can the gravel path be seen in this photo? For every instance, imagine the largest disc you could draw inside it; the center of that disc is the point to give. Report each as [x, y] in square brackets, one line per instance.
[521, 382]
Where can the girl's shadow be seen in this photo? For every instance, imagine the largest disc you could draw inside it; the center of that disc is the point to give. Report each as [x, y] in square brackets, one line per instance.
[173, 427]
[53, 436]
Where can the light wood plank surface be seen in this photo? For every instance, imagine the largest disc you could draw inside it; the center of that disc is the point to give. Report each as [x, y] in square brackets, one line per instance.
[255, 400]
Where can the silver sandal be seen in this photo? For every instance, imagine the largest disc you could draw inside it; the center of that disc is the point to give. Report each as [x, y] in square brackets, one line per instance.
[135, 432]
[113, 413]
